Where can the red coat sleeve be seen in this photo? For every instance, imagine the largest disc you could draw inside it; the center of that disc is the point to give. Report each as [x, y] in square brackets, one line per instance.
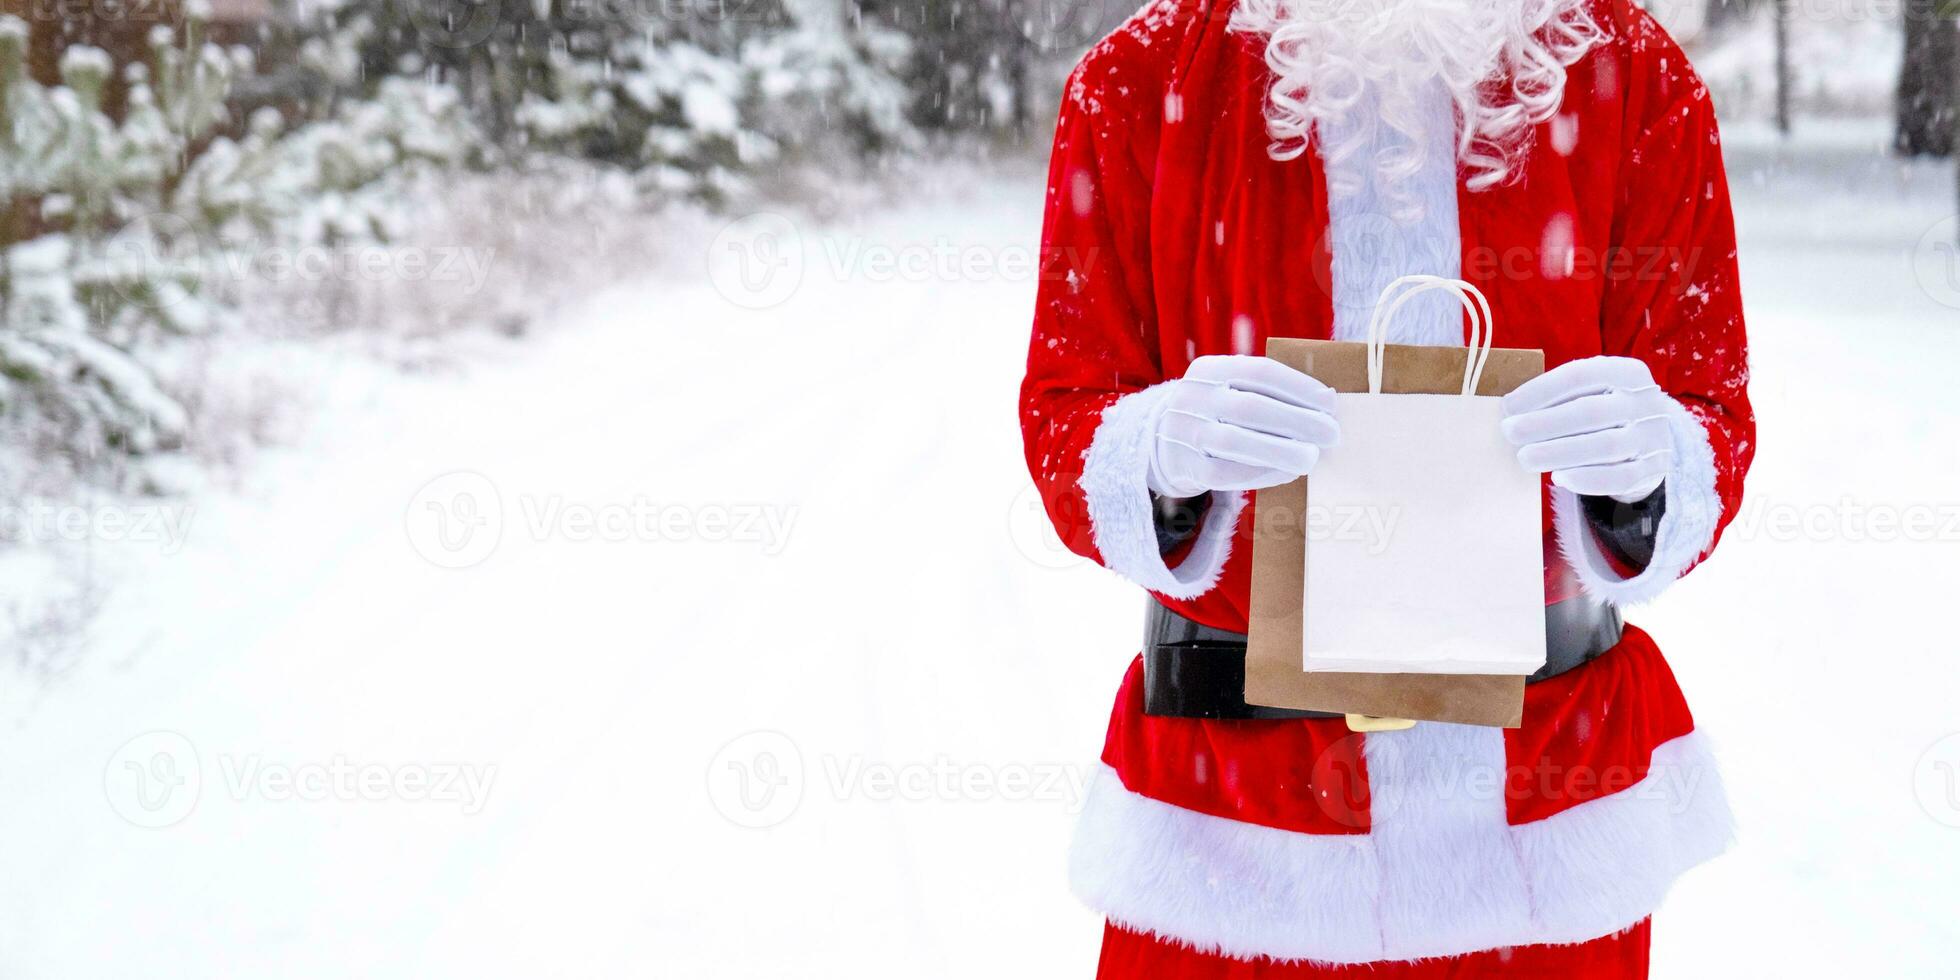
[1673, 299]
[1088, 402]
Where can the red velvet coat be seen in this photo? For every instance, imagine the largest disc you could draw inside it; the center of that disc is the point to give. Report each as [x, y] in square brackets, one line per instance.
[1172, 234]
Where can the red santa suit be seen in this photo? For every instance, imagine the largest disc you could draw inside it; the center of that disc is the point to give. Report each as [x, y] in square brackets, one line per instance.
[1297, 848]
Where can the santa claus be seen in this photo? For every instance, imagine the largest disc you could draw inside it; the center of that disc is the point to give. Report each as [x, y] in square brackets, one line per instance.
[1227, 171]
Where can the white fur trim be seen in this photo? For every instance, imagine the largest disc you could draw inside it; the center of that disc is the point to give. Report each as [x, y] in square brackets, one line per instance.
[1441, 872]
[1122, 520]
[1686, 532]
[1604, 865]
[1451, 877]
[1372, 246]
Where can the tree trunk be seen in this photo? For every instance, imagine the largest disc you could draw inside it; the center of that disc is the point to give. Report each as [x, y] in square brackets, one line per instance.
[1927, 81]
[1724, 13]
[1018, 44]
[1785, 81]
[1020, 120]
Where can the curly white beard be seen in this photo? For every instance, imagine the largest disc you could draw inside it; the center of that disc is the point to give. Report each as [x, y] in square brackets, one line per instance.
[1346, 68]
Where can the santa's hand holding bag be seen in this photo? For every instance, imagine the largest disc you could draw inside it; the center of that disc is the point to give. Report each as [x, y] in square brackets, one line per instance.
[1239, 422]
[1236, 422]
[1599, 426]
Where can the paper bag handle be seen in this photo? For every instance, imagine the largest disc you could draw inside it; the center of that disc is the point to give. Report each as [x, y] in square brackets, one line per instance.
[1483, 333]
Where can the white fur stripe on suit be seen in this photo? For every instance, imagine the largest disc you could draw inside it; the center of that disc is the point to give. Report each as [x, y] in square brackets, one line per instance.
[1374, 241]
[1441, 871]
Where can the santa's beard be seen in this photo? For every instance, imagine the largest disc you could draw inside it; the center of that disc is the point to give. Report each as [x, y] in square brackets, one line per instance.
[1345, 68]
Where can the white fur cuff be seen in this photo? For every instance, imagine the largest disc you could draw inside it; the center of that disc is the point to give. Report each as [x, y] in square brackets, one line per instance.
[1686, 532]
[1122, 519]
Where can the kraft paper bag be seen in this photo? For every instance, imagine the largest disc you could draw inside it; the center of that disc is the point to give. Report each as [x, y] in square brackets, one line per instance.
[1451, 579]
[1286, 517]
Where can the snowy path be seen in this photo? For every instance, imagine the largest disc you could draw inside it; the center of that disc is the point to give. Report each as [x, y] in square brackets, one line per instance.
[601, 678]
[938, 672]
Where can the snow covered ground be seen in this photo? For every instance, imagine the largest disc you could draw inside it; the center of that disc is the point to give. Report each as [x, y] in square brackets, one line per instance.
[717, 633]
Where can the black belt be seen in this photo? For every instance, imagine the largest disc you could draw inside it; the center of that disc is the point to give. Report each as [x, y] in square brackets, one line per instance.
[1191, 670]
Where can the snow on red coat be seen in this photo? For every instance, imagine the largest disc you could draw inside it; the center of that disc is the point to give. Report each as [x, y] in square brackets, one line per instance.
[1172, 234]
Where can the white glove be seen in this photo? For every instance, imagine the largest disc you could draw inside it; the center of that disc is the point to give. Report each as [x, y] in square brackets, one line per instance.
[1598, 425]
[1239, 423]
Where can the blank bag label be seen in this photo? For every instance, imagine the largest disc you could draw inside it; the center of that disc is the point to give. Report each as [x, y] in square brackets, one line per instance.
[1425, 552]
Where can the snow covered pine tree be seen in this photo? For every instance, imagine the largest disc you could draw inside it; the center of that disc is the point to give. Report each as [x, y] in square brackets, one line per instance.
[1246, 169]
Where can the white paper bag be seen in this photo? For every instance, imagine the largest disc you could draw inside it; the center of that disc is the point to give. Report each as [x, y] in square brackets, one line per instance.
[1426, 554]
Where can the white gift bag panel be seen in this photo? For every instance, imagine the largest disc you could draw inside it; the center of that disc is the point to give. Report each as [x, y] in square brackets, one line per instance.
[1426, 552]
